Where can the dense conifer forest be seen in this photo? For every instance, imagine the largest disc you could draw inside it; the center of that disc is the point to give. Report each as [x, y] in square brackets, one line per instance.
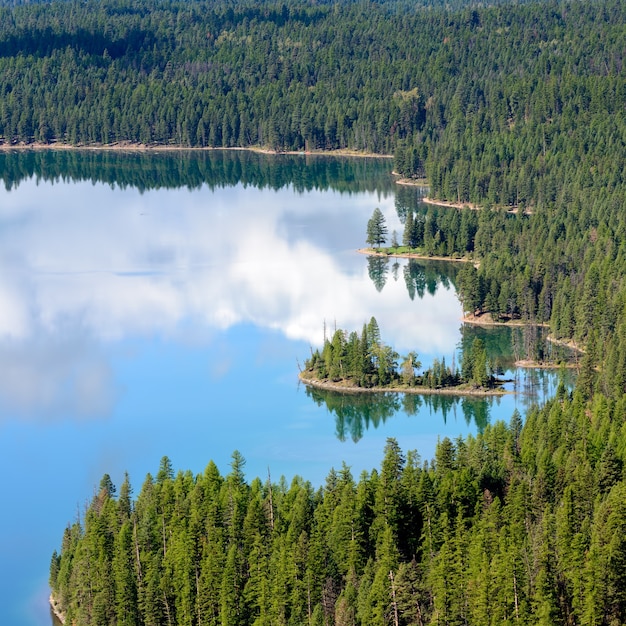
[517, 108]
[515, 526]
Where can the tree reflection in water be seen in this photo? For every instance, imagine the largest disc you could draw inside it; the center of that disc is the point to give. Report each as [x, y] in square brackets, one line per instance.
[357, 412]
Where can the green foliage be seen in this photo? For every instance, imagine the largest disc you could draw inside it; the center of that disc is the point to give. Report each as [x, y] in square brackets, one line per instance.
[368, 362]
[377, 229]
[516, 107]
[518, 524]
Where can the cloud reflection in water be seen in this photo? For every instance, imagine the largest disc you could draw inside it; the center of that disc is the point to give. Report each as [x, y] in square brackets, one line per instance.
[84, 266]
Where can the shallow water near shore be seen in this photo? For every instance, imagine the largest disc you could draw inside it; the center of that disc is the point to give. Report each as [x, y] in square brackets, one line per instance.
[162, 305]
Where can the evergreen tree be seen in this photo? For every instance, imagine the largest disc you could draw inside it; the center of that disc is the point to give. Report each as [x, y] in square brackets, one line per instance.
[377, 229]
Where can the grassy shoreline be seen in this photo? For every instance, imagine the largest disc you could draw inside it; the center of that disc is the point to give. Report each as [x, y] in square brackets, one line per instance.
[412, 255]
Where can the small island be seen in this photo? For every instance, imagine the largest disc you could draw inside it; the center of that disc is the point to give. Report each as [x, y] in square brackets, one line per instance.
[365, 364]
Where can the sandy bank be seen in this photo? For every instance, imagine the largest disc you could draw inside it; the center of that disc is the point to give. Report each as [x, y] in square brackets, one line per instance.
[451, 205]
[471, 206]
[411, 182]
[123, 146]
[485, 319]
[55, 609]
[541, 365]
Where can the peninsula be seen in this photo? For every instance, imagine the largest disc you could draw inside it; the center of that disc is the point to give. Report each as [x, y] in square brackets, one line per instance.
[350, 363]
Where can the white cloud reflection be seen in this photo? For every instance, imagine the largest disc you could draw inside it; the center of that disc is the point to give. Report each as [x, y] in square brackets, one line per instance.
[82, 265]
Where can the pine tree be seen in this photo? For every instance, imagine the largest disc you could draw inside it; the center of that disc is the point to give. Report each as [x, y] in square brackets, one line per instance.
[407, 235]
[125, 577]
[377, 229]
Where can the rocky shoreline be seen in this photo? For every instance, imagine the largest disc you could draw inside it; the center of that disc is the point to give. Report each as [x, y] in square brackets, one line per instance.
[56, 610]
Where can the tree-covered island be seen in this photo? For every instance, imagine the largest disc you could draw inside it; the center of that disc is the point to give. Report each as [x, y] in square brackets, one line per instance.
[353, 362]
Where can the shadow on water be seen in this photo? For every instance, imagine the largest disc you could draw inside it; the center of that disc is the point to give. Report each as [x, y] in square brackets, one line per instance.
[377, 269]
[409, 198]
[356, 413]
[427, 276]
[192, 169]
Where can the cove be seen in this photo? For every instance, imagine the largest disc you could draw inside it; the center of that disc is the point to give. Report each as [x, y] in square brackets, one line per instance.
[160, 304]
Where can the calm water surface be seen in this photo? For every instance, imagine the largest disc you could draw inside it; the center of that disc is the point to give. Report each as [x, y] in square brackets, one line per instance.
[160, 305]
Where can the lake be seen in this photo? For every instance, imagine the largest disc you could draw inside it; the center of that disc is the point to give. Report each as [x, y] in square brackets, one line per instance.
[161, 304]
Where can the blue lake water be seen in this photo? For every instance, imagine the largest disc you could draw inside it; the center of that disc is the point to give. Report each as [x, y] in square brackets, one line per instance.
[144, 315]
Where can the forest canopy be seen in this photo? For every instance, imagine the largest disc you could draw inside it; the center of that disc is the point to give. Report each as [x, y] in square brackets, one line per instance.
[511, 526]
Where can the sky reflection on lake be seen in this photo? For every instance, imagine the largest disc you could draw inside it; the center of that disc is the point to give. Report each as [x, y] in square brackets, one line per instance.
[85, 264]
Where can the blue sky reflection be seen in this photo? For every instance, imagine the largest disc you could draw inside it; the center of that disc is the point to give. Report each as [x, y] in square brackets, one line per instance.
[85, 266]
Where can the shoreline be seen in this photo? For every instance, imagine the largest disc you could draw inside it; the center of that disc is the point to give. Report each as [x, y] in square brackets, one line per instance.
[570, 344]
[422, 391]
[484, 319]
[451, 205]
[476, 320]
[55, 609]
[411, 182]
[513, 210]
[146, 148]
[413, 255]
[527, 364]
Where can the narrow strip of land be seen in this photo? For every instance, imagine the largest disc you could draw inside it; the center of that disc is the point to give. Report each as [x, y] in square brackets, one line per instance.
[345, 386]
[485, 319]
[55, 609]
[410, 182]
[413, 255]
[140, 147]
[451, 205]
[470, 205]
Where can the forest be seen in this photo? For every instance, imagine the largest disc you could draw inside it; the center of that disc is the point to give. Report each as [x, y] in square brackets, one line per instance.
[518, 525]
[517, 108]
[365, 361]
